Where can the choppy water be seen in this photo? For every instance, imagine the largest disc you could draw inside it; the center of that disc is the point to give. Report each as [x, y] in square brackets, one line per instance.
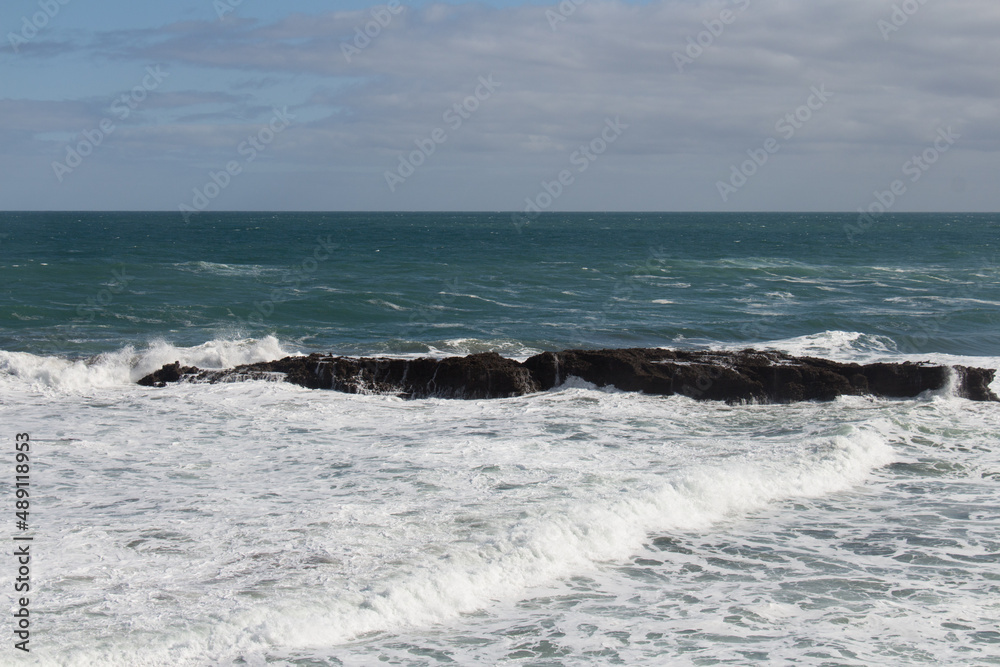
[265, 523]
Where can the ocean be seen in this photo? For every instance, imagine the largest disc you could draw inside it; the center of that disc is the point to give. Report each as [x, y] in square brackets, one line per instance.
[263, 523]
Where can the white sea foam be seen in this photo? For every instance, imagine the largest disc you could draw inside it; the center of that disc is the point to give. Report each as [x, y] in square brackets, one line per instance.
[482, 298]
[205, 524]
[507, 347]
[220, 269]
[382, 303]
[853, 346]
[221, 521]
[850, 346]
[126, 365]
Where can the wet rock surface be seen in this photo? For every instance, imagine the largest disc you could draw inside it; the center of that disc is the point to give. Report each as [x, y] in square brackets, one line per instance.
[736, 377]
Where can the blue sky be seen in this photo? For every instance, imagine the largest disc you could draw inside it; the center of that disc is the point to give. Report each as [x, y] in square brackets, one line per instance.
[586, 105]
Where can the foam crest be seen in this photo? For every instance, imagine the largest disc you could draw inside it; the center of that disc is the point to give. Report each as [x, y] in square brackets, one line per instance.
[503, 563]
[464, 346]
[837, 345]
[211, 355]
[221, 269]
[833, 466]
[126, 365]
[554, 545]
[46, 372]
[856, 347]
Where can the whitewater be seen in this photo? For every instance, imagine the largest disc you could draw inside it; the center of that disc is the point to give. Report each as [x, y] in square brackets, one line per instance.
[262, 523]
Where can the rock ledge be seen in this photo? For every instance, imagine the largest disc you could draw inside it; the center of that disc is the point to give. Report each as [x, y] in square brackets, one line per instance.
[747, 376]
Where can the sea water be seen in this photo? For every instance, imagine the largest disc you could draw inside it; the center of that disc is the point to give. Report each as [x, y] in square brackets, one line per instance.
[264, 523]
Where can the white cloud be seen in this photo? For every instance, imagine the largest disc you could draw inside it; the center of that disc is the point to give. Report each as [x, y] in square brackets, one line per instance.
[557, 87]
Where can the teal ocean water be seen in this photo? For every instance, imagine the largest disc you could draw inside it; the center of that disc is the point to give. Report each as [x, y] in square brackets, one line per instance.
[86, 283]
[263, 523]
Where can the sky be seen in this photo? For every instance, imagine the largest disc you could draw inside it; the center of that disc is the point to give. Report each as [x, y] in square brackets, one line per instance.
[592, 105]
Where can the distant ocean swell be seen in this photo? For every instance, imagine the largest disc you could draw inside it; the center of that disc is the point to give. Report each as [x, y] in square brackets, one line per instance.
[570, 281]
[292, 281]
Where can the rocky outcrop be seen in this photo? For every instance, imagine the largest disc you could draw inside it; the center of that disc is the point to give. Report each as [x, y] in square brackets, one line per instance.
[745, 376]
[475, 376]
[974, 383]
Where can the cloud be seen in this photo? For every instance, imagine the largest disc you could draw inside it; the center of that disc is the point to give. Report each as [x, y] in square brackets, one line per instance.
[890, 91]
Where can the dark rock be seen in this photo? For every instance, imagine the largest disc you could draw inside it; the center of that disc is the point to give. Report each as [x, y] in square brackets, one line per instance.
[486, 375]
[745, 376]
[974, 383]
[168, 373]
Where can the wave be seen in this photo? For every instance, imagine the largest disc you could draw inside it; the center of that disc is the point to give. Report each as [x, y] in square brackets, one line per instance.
[382, 303]
[220, 269]
[540, 549]
[836, 345]
[862, 348]
[441, 348]
[847, 346]
[126, 365]
[947, 300]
